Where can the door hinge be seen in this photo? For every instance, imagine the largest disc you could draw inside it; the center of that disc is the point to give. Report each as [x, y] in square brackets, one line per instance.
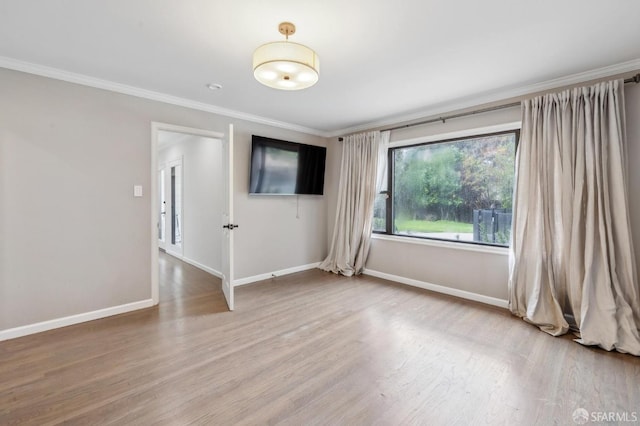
[230, 226]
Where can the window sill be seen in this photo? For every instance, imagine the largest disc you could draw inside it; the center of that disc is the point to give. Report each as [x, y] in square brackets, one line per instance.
[504, 251]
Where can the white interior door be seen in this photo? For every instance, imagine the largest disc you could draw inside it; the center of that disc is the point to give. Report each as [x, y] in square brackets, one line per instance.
[227, 218]
[162, 208]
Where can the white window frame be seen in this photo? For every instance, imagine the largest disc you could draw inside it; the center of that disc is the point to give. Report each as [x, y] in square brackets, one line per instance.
[459, 245]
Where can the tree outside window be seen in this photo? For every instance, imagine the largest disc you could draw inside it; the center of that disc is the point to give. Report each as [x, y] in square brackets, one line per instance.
[457, 190]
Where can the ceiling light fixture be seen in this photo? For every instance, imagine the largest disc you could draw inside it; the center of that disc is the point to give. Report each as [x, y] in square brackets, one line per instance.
[285, 65]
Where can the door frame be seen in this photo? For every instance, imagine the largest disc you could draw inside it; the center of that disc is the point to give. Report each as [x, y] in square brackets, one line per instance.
[156, 127]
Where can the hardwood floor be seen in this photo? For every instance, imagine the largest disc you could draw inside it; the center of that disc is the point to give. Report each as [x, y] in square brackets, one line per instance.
[308, 348]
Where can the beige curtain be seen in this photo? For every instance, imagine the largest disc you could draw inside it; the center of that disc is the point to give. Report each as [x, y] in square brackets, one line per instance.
[354, 214]
[572, 263]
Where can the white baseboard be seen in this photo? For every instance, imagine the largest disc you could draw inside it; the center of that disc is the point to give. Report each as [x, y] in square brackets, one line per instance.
[196, 264]
[249, 280]
[441, 289]
[38, 327]
[203, 267]
[173, 253]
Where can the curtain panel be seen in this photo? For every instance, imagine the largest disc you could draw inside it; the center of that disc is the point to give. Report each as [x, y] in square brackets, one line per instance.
[362, 156]
[572, 262]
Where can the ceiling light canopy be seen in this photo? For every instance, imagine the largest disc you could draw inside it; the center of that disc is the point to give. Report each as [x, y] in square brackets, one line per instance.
[285, 65]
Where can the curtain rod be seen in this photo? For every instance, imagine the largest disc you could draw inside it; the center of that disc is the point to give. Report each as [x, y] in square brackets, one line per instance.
[634, 79]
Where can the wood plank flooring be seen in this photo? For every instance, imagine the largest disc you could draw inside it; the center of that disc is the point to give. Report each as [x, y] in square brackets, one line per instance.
[308, 348]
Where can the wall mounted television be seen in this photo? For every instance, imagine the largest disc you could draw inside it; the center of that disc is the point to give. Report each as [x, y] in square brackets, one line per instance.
[286, 168]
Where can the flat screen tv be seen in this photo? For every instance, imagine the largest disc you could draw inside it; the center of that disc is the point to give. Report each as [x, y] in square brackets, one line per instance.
[286, 168]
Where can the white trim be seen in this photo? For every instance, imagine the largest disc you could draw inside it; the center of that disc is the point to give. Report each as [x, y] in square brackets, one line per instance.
[39, 327]
[173, 253]
[155, 217]
[187, 130]
[85, 80]
[496, 96]
[463, 294]
[478, 131]
[202, 267]
[249, 280]
[480, 248]
[196, 264]
[455, 105]
[443, 243]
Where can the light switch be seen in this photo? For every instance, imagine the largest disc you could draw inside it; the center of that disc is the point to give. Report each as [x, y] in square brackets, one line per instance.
[137, 190]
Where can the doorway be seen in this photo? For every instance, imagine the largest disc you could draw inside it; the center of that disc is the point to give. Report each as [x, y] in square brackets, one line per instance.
[191, 193]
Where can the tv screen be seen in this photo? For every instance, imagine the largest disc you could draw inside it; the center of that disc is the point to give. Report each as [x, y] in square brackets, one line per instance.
[286, 168]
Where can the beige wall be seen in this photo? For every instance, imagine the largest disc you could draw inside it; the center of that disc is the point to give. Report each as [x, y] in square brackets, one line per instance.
[73, 239]
[272, 236]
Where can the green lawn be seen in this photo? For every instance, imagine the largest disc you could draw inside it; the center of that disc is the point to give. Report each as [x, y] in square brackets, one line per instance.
[433, 226]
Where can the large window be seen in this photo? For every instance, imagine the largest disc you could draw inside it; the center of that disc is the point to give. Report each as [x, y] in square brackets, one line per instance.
[459, 190]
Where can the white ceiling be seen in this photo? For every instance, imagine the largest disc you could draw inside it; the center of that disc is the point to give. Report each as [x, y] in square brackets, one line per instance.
[380, 60]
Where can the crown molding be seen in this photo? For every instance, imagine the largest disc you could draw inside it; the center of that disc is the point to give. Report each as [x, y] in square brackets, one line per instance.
[443, 108]
[495, 96]
[85, 80]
